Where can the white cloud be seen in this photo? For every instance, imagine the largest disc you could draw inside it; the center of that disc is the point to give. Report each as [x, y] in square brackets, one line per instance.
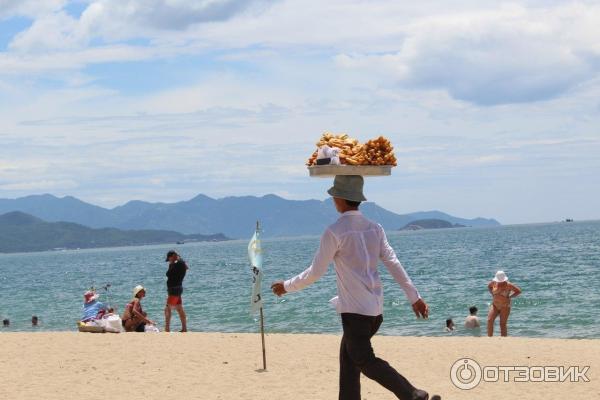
[507, 55]
[114, 20]
[497, 159]
[39, 185]
[261, 87]
[52, 31]
[130, 17]
[29, 8]
[31, 64]
[475, 51]
[521, 144]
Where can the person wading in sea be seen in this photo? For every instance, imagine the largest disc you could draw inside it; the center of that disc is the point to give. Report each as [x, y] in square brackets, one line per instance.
[175, 275]
[355, 245]
[502, 292]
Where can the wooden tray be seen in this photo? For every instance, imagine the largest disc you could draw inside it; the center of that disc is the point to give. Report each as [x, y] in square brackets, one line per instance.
[324, 171]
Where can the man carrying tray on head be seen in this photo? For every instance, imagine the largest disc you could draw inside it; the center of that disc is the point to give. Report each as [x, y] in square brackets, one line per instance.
[355, 245]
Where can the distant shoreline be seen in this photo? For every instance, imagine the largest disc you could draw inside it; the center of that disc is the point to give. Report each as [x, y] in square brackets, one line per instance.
[133, 246]
[283, 238]
[114, 247]
[22, 232]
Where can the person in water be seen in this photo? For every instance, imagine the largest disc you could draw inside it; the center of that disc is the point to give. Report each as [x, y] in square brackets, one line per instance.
[92, 308]
[134, 317]
[472, 321]
[449, 325]
[502, 292]
[175, 274]
[355, 245]
[34, 320]
[6, 323]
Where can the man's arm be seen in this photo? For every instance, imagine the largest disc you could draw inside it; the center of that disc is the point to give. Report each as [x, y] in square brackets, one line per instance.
[323, 258]
[391, 262]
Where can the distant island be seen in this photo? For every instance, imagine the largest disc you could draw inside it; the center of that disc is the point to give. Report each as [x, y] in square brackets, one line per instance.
[429, 224]
[234, 217]
[20, 232]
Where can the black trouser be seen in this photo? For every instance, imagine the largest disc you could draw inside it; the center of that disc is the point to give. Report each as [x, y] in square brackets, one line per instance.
[356, 356]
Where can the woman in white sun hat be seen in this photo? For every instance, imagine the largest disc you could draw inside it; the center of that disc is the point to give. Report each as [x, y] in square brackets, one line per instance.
[134, 318]
[502, 292]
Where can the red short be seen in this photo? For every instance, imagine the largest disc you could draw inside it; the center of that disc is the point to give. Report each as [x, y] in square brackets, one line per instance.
[174, 301]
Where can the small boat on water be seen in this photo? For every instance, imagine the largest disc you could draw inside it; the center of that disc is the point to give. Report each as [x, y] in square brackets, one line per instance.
[180, 242]
[569, 220]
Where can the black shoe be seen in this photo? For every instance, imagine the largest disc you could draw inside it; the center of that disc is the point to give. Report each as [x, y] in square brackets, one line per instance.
[423, 395]
[420, 395]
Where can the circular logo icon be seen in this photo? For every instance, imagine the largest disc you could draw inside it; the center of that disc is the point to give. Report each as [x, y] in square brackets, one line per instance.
[465, 373]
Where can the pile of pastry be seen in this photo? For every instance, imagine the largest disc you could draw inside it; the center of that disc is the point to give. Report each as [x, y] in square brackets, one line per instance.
[351, 152]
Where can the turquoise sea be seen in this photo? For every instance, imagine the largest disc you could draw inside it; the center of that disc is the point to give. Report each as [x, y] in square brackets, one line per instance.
[556, 265]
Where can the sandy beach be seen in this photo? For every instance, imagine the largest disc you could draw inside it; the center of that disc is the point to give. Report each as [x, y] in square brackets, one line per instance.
[227, 366]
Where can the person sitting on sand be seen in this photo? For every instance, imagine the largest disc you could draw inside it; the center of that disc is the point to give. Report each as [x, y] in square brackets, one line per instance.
[502, 292]
[355, 245]
[449, 325]
[472, 321]
[92, 308]
[134, 317]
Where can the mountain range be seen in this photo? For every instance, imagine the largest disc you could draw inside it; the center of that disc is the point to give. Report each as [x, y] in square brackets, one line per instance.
[235, 217]
[20, 232]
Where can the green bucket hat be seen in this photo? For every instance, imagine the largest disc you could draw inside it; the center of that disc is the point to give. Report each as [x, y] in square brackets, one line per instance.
[348, 187]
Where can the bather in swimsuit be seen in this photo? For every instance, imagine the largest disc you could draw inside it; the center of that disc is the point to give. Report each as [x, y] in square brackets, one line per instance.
[501, 297]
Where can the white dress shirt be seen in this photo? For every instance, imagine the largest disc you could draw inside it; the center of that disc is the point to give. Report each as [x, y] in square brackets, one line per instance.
[355, 245]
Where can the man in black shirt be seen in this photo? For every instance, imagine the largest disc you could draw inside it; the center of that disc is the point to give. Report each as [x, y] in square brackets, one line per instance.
[175, 275]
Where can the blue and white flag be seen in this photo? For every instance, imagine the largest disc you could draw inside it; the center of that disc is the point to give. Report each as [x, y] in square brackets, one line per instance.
[256, 260]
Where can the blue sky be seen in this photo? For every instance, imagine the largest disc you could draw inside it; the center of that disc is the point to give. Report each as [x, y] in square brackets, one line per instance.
[494, 108]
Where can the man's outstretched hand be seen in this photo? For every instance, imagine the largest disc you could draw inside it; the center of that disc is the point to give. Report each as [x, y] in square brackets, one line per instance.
[420, 308]
[278, 288]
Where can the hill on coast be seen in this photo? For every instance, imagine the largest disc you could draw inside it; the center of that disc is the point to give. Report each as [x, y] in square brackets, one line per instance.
[20, 232]
[429, 224]
[235, 217]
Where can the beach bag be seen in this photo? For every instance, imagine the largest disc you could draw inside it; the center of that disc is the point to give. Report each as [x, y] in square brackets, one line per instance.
[112, 323]
[151, 329]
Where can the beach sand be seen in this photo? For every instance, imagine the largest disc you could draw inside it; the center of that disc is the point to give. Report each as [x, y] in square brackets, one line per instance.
[227, 366]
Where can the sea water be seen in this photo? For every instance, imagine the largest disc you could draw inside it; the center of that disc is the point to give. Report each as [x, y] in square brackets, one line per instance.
[556, 265]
